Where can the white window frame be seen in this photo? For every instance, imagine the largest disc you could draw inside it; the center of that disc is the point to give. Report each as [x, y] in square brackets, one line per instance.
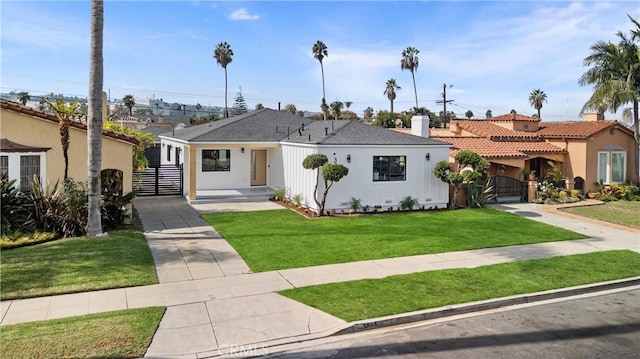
[14, 165]
[606, 177]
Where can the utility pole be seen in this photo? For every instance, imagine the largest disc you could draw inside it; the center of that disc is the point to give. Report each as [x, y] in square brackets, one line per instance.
[444, 102]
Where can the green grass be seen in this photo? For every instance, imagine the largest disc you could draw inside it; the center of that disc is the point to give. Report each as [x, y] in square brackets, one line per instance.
[374, 298]
[121, 334]
[80, 264]
[626, 213]
[280, 239]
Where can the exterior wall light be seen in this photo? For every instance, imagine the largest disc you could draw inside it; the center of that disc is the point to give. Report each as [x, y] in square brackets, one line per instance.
[242, 149]
[349, 158]
[428, 157]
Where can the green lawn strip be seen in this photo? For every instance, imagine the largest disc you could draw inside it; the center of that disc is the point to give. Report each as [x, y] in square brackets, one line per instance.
[372, 298]
[281, 239]
[626, 213]
[80, 264]
[120, 334]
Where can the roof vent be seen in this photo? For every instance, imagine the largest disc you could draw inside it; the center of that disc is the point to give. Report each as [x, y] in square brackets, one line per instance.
[299, 132]
[303, 126]
[326, 131]
[309, 137]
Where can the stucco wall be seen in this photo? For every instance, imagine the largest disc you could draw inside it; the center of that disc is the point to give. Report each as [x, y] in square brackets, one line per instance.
[30, 131]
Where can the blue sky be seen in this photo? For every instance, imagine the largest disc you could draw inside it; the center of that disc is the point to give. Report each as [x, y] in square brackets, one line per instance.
[493, 53]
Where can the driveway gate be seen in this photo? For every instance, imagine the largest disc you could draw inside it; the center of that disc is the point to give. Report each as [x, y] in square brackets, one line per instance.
[507, 189]
[166, 180]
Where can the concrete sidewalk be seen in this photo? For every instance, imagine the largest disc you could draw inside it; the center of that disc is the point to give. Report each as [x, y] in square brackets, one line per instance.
[215, 304]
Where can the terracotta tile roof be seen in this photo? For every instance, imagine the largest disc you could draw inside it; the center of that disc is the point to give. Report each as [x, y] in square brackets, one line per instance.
[19, 108]
[577, 129]
[490, 130]
[505, 149]
[513, 117]
[10, 146]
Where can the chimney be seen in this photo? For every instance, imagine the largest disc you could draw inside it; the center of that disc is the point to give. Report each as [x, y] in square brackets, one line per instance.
[420, 126]
[593, 117]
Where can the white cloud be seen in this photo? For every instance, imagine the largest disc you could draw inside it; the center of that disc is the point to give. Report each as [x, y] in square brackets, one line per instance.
[242, 14]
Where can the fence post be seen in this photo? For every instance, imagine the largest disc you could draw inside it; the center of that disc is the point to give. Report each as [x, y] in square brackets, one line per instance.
[157, 181]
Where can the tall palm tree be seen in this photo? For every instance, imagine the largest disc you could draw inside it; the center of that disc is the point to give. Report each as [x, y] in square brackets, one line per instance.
[94, 119]
[615, 74]
[224, 55]
[390, 91]
[23, 97]
[410, 62]
[319, 51]
[536, 98]
[129, 101]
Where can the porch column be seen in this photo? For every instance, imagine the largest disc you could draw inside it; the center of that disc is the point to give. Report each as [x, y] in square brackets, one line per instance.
[192, 172]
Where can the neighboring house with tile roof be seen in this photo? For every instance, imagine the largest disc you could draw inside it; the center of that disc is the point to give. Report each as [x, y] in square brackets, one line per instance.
[31, 146]
[266, 148]
[593, 149]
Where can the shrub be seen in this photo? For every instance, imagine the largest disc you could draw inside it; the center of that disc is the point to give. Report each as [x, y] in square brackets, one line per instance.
[408, 203]
[297, 199]
[355, 204]
[63, 210]
[280, 194]
[16, 209]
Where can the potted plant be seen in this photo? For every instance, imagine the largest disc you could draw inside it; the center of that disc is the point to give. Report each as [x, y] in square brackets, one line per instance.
[525, 173]
[532, 175]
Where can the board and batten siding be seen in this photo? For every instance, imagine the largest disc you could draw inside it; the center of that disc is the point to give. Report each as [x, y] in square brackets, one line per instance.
[420, 182]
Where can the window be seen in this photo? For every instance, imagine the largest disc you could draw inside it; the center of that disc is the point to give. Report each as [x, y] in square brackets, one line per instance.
[4, 166]
[216, 160]
[612, 166]
[29, 167]
[389, 168]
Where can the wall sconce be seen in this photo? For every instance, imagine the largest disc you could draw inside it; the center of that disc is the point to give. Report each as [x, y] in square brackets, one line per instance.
[428, 157]
[242, 149]
[349, 158]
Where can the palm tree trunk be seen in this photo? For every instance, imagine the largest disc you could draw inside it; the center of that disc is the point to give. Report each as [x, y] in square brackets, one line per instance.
[391, 106]
[636, 135]
[226, 111]
[324, 113]
[415, 91]
[538, 113]
[94, 120]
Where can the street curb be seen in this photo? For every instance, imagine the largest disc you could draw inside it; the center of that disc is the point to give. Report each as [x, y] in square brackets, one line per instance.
[466, 308]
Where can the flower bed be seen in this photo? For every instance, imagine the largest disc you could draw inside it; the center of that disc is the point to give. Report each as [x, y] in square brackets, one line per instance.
[549, 193]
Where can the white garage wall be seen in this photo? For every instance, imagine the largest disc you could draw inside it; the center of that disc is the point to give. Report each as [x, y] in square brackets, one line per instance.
[420, 184]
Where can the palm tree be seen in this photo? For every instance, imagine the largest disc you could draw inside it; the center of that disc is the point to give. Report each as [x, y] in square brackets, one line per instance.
[348, 104]
[129, 101]
[94, 120]
[23, 97]
[336, 108]
[488, 114]
[319, 51]
[224, 55]
[63, 112]
[536, 98]
[615, 74]
[390, 91]
[410, 62]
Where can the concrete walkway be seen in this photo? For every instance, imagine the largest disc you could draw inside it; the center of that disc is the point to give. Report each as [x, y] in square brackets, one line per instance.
[215, 305]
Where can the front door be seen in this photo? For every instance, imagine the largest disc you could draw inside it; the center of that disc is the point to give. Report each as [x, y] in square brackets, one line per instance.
[258, 167]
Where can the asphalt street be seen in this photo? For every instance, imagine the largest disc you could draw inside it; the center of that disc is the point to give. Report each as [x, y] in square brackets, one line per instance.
[604, 326]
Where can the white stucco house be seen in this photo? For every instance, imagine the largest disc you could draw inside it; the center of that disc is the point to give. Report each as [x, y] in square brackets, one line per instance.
[266, 148]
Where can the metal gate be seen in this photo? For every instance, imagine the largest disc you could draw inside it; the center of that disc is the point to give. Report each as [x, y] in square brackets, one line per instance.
[166, 180]
[507, 189]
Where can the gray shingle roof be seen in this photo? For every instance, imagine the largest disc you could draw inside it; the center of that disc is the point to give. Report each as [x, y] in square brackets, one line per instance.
[268, 125]
[261, 125]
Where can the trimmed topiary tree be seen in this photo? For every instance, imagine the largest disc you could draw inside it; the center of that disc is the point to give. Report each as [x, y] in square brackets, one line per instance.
[331, 173]
[471, 167]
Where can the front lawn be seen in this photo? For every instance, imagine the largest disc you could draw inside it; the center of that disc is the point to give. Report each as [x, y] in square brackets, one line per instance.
[280, 239]
[626, 213]
[372, 298]
[120, 334]
[80, 264]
